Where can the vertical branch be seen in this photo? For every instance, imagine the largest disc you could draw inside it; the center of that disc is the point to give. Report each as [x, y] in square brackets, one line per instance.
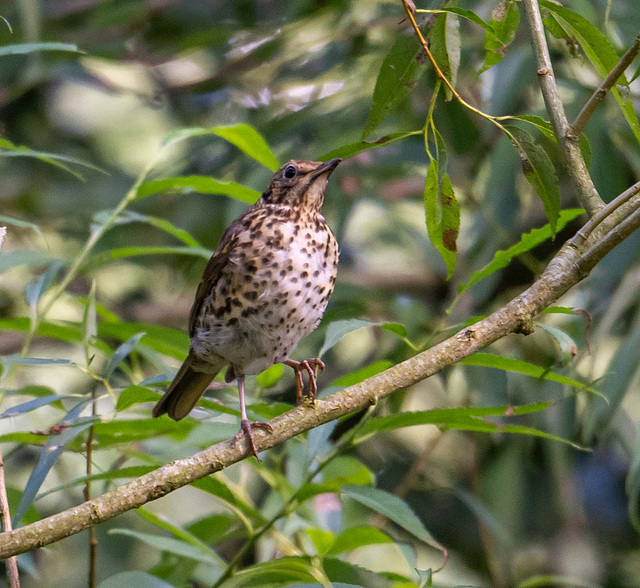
[93, 541]
[576, 167]
[5, 515]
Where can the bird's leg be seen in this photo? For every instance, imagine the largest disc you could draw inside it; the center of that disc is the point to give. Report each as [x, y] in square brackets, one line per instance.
[245, 425]
[311, 366]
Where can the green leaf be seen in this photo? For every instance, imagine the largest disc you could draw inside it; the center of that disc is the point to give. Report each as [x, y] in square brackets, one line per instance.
[278, 572]
[89, 323]
[137, 579]
[119, 432]
[543, 125]
[40, 285]
[16, 222]
[178, 532]
[445, 47]
[135, 395]
[544, 580]
[508, 364]
[527, 242]
[505, 18]
[399, 73]
[169, 545]
[248, 140]
[443, 215]
[269, 377]
[351, 539]
[472, 16]
[26, 407]
[164, 340]
[13, 259]
[338, 329]
[53, 448]
[130, 216]
[8, 149]
[600, 53]
[121, 353]
[352, 149]
[633, 485]
[25, 48]
[214, 486]
[390, 506]
[243, 136]
[362, 374]
[539, 171]
[201, 184]
[105, 257]
[449, 417]
[568, 347]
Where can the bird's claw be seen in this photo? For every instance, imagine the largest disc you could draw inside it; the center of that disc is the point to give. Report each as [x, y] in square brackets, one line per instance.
[246, 431]
[311, 366]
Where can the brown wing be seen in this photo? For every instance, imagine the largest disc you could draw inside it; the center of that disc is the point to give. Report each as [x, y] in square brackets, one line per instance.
[218, 261]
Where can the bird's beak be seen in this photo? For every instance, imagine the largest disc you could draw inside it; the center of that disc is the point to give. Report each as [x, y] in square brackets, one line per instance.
[326, 168]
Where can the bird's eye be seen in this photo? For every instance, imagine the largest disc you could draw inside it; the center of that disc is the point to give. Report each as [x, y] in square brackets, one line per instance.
[290, 172]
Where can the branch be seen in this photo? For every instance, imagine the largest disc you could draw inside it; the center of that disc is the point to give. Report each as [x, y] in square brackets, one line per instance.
[5, 523]
[599, 95]
[568, 141]
[571, 264]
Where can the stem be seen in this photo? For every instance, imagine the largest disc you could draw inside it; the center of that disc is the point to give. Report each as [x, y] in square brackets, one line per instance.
[5, 519]
[93, 541]
[599, 95]
[574, 162]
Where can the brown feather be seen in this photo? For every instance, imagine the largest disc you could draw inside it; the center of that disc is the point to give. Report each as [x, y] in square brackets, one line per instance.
[185, 390]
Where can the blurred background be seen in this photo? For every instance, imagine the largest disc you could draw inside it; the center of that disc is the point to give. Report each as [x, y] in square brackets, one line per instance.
[509, 508]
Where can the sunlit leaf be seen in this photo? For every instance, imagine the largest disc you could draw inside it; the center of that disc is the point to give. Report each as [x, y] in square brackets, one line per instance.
[105, 257]
[527, 242]
[277, 572]
[270, 377]
[539, 171]
[243, 136]
[201, 184]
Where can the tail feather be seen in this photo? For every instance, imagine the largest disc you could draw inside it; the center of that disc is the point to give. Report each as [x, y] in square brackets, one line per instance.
[185, 390]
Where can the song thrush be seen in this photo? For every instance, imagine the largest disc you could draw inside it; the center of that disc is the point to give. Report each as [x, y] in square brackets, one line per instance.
[265, 288]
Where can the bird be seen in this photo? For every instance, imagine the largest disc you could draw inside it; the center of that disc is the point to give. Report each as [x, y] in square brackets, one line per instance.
[265, 287]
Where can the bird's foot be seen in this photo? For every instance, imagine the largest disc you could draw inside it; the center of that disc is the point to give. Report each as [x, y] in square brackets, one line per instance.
[246, 430]
[311, 366]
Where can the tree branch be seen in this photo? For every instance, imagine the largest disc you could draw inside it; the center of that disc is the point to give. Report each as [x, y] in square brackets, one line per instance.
[572, 264]
[576, 167]
[599, 95]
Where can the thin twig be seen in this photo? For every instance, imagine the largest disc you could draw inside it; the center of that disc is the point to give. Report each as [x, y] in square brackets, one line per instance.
[574, 162]
[93, 540]
[5, 515]
[599, 95]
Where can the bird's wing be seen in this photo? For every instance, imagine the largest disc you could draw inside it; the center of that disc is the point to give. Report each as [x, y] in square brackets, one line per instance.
[212, 272]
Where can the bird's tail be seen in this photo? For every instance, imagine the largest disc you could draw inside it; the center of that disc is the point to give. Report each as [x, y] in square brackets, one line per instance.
[185, 390]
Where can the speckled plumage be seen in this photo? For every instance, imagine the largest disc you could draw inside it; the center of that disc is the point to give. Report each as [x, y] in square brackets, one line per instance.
[266, 287]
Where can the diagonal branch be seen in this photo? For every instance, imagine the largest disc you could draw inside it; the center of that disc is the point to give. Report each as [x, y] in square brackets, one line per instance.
[574, 162]
[572, 264]
[599, 95]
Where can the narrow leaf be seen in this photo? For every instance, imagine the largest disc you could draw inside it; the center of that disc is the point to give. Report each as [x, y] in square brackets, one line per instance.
[137, 579]
[399, 73]
[135, 395]
[504, 21]
[248, 140]
[121, 353]
[391, 507]
[201, 184]
[338, 329]
[527, 242]
[539, 171]
[352, 149]
[445, 47]
[25, 48]
[31, 405]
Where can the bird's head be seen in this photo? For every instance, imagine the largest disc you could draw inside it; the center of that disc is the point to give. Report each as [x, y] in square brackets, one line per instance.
[300, 183]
